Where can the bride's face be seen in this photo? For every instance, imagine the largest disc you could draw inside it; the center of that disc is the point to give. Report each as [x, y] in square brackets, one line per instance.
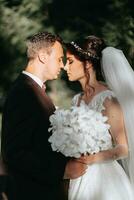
[74, 68]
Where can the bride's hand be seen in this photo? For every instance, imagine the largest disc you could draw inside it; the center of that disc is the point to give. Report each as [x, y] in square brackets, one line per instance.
[74, 169]
[85, 159]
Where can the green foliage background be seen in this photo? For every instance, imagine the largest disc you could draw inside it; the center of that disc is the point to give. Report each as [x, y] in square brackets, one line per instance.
[111, 19]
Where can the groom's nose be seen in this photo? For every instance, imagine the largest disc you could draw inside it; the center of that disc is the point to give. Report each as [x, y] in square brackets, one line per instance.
[62, 65]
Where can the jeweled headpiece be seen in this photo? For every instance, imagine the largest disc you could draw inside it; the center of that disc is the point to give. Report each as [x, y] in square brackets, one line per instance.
[79, 49]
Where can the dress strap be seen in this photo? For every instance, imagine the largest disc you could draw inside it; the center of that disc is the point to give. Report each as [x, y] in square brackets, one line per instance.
[75, 99]
[98, 101]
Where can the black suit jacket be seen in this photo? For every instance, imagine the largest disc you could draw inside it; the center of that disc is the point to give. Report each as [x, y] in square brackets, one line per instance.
[35, 171]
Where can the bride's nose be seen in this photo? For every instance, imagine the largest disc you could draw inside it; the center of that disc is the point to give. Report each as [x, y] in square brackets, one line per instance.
[66, 67]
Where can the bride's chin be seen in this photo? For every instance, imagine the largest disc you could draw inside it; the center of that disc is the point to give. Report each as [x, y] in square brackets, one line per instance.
[70, 79]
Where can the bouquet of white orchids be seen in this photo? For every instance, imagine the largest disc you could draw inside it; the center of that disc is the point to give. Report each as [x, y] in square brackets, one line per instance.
[78, 131]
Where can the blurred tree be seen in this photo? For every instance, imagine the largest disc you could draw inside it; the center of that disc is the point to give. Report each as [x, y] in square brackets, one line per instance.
[118, 30]
[19, 20]
[79, 17]
[60, 94]
[110, 19]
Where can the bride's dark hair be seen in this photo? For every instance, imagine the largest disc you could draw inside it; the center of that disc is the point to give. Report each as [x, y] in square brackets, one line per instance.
[88, 49]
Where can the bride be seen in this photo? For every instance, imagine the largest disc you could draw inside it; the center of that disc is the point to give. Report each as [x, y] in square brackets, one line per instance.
[110, 173]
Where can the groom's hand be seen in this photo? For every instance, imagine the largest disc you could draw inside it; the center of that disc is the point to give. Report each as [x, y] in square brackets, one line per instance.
[74, 169]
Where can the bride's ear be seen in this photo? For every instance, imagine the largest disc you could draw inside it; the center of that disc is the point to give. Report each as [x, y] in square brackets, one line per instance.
[89, 65]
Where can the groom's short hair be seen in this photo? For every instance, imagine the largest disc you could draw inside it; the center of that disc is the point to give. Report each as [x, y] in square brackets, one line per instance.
[41, 40]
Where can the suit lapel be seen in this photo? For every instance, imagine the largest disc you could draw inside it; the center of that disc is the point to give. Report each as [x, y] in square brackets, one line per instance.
[43, 97]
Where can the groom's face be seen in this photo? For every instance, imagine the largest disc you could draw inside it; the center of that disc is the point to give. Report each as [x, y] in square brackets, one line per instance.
[54, 62]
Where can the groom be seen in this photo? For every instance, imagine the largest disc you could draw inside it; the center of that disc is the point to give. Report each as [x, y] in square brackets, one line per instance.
[35, 171]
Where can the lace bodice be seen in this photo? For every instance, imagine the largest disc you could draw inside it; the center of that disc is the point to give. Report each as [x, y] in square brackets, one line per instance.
[97, 103]
[117, 147]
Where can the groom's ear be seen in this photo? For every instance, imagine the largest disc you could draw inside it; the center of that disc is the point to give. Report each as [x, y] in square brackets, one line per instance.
[42, 56]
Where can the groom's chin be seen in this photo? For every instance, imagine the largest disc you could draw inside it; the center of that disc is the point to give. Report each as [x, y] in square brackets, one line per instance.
[56, 77]
[53, 78]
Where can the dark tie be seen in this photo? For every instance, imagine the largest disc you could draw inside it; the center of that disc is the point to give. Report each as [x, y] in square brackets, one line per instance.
[43, 87]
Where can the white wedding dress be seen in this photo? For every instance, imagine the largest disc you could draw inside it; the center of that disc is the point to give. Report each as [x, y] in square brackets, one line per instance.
[106, 180]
